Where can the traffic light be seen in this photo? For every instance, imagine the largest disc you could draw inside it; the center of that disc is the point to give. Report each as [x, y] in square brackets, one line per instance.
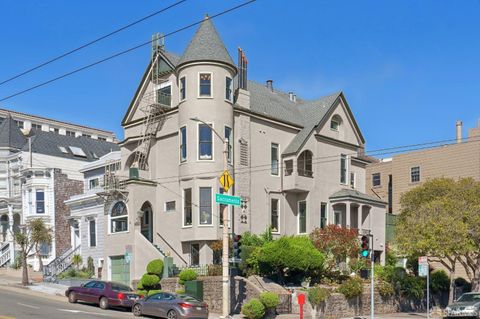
[364, 247]
[237, 246]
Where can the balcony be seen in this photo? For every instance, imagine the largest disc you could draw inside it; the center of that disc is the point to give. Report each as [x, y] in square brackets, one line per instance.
[297, 181]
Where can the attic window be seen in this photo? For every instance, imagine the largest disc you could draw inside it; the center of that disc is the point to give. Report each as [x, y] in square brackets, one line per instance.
[63, 149]
[334, 125]
[77, 151]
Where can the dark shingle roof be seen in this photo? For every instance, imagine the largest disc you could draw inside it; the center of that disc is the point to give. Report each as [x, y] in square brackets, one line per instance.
[354, 194]
[206, 45]
[48, 143]
[172, 57]
[10, 134]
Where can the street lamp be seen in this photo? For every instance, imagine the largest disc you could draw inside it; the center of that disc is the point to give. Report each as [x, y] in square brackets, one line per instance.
[225, 264]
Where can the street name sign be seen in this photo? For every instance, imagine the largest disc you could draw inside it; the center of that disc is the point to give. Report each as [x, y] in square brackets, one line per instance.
[226, 180]
[422, 266]
[227, 199]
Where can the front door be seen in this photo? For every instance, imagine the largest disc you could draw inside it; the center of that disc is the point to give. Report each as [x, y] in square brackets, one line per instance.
[147, 224]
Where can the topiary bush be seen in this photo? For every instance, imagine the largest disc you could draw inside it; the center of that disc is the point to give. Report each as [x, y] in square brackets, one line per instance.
[439, 281]
[139, 285]
[149, 282]
[155, 267]
[254, 309]
[317, 295]
[385, 288]
[351, 288]
[269, 299]
[187, 275]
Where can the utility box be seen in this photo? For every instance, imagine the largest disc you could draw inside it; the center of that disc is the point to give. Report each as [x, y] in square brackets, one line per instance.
[133, 173]
[194, 288]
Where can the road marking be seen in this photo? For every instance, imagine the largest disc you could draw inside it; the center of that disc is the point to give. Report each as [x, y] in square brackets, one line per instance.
[86, 312]
[28, 306]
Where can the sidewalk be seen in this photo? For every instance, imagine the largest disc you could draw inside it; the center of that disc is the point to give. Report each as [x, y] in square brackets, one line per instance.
[13, 278]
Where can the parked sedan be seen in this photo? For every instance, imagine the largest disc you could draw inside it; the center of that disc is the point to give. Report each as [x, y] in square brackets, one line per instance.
[104, 293]
[468, 305]
[171, 306]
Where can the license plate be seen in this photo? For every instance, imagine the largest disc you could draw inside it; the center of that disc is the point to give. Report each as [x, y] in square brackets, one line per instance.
[199, 308]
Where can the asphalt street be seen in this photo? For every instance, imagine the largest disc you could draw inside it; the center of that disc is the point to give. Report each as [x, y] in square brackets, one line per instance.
[14, 303]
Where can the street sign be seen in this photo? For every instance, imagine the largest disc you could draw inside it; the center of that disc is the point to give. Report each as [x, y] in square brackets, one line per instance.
[128, 257]
[422, 266]
[227, 199]
[226, 180]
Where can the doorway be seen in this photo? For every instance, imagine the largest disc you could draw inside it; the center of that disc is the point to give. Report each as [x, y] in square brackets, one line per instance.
[146, 222]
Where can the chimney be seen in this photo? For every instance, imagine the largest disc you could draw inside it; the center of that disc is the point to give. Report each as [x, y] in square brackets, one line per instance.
[290, 96]
[459, 131]
[294, 98]
[270, 85]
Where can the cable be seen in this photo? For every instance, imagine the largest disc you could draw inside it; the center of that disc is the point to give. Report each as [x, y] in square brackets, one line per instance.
[83, 46]
[88, 66]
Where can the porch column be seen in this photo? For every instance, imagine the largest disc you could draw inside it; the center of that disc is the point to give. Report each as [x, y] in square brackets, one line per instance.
[10, 223]
[360, 214]
[347, 209]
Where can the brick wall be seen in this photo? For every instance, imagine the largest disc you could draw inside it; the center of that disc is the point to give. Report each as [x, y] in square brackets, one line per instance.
[64, 188]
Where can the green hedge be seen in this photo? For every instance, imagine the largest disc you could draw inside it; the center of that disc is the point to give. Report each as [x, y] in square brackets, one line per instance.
[317, 295]
[269, 299]
[155, 267]
[187, 275]
[149, 281]
[351, 288]
[254, 309]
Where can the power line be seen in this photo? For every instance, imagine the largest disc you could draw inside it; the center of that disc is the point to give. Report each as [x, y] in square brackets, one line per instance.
[83, 46]
[88, 66]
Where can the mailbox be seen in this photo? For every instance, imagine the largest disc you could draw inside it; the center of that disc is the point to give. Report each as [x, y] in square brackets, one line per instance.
[301, 299]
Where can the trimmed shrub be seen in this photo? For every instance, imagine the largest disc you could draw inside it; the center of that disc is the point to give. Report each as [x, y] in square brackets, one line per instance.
[269, 299]
[180, 291]
[142, 292]
[351, 288]
[439, 281]
[385, 288]
[155, 267]
[317, 295]
[253, 309]
[152, 292]
[139, 285]
[149, 282]
[187, 275]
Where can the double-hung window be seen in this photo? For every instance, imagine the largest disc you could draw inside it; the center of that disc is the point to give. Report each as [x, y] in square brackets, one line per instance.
[274, 216]
[376, 179]
[415, 174]
[92, 230]
[323, 215]
[205, 89]
[343, 169]
[40, 201]
[205, 138]
[119, 218]
[274, 153]
[205, 205]
[187, 207]
[183, 144]
[164, 94]
[228, 137]
[228, 89]
[302, 217]
[183, 89]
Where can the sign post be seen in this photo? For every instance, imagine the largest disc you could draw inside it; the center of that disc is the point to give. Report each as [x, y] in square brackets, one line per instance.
[301, 302]
[423, 271]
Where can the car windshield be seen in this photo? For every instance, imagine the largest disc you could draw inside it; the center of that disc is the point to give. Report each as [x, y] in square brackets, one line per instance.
[469, 297]
[120, 287]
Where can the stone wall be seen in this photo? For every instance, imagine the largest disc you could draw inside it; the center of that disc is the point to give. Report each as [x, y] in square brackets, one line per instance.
[64, 188]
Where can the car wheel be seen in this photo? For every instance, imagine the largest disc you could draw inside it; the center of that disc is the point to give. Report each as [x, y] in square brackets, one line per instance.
[172, 314]
[137, 310]
[72, 297]
[104, 303]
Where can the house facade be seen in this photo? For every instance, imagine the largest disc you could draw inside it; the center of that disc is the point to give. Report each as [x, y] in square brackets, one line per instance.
[297, 164]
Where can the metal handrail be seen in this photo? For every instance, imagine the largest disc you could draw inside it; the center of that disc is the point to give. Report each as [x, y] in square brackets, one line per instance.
[173, 249]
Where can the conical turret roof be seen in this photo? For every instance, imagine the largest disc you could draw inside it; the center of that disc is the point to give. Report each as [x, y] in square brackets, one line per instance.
[10, 134]
[206, 45]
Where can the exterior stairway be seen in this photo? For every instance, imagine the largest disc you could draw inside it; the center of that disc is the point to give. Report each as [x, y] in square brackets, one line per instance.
[59, 264]
[5, 254]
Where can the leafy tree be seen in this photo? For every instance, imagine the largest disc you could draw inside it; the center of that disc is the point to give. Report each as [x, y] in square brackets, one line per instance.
[441, 219]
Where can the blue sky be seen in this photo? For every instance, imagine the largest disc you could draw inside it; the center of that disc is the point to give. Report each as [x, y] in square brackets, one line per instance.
[408, 68]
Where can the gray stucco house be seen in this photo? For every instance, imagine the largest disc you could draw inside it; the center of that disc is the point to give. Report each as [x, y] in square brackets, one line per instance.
[297, 164]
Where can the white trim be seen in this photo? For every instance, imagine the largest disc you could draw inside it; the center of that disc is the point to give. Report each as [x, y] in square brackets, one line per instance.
[278, 159]
[110, 219]
[211, 85]
[298, 217]
[212, 127]
[180, 144]
[180, 88]
[211, 206]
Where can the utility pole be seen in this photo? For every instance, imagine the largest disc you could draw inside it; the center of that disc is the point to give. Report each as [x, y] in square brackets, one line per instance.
[372, 288]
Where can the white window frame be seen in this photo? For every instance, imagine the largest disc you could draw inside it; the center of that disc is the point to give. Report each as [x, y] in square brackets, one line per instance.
[161, 86]
[110, 232]
[278, 159]
[212, 199]
[96, 233]
[198, 143]
[180, 88]
[230, 100]
[183, 207]
[298, 217]
[230, 145]
[211, 86]
[278, 215]
[94, 178]
[44, 201]
[183, 160]
[165, 206]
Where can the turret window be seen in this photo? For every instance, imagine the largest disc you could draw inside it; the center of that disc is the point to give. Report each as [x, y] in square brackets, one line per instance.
[205, 89]
[205, 142]
[228, 89]
[183, 89]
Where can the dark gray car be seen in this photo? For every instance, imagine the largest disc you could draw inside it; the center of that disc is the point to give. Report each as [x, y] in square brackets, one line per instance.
[468, 305]
[171, 306]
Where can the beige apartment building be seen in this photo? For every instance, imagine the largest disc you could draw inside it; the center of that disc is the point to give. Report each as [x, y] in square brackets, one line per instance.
[297, 164]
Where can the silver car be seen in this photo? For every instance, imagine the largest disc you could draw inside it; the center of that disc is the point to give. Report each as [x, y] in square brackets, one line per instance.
[171, 306]
[468, 305]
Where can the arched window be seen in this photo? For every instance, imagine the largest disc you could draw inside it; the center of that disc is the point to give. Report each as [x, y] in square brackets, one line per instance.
[336, 123]
[119, 218]
[304, 163]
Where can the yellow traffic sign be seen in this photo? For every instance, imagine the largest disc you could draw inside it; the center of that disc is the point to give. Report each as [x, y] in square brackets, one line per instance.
[226, 181]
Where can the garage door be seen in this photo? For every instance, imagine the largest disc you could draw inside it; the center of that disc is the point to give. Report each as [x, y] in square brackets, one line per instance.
[120, 270]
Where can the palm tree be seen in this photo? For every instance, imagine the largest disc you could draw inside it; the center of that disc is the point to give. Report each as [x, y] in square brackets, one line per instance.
[41, 234]
[77, 260]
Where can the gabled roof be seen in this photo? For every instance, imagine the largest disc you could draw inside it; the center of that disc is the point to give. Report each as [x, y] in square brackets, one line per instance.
[354, 194]
[10, 134]
[206, 45]
[49, 143]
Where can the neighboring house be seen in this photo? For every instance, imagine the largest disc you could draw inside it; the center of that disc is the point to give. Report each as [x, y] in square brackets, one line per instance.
[87, 220]
[39, 170]
[297, 164]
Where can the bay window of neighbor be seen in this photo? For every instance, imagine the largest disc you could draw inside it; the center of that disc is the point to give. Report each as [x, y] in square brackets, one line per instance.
[183, 144]
[187, 207]
[274, 153]
[205, 149]
[205, 88]
[274, 214]
[302, 217]
[205, 206]
[40, 201]
[228, 137]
